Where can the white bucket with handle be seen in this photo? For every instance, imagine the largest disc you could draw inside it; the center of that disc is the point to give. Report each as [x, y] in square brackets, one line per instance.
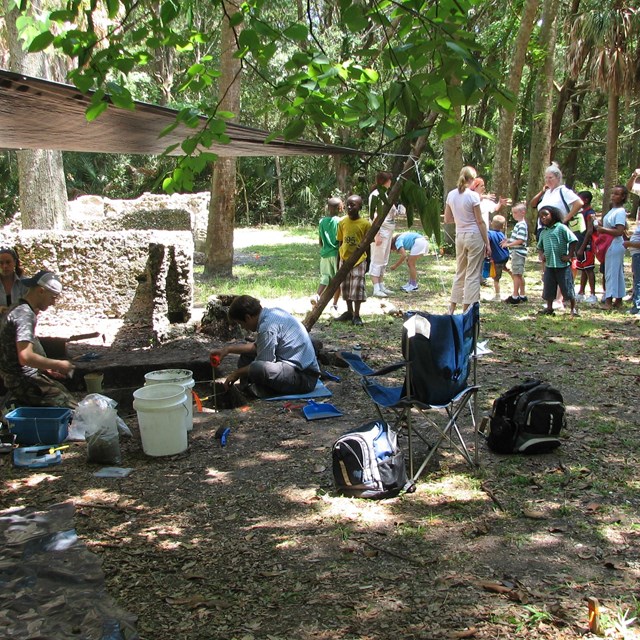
[161, 410]
[175, 376]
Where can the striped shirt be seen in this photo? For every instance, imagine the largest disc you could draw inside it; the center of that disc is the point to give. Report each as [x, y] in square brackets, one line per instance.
[283, 338]
[554, 242]
[520, 232]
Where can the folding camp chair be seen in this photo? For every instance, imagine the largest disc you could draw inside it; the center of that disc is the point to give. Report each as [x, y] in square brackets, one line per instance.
[440, 382]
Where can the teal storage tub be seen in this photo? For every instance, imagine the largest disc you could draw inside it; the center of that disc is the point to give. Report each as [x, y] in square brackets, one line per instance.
[39, 425]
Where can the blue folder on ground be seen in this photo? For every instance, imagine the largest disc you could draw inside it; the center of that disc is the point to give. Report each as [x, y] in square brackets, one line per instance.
[319, 392]
[320, 410]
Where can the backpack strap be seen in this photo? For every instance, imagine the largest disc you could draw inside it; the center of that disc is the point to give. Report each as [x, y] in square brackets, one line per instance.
[564, 202]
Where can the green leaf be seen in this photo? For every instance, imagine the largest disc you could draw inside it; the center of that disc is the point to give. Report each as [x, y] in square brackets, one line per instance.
[297, 32]
[249, 39]
[168, 11]
[189, 145]
[94, 110]
[62, 16]
[113, 6]
[236, 19]
[294, 129]
[354, 18]
[41, 42]
[120, 96]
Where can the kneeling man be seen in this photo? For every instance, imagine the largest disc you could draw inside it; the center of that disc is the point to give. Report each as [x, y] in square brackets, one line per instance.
[281, 361]
[26, 370]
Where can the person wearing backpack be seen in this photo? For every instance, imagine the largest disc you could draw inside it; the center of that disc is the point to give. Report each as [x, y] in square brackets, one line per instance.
[556, 247]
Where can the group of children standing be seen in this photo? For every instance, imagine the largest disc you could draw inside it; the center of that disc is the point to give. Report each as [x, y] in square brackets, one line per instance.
[340, 236]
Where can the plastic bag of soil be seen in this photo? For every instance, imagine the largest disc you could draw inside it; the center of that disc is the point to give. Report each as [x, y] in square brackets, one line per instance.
[98, 415]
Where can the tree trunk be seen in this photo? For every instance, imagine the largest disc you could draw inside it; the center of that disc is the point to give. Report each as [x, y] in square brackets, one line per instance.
[611, 154]
[283, 211]
[541, 127]
[42, 185]
[222, 207]
[501, 177]
[453, 162]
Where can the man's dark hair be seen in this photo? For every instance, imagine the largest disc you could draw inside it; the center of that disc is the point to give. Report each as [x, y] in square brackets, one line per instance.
[586, 196]
[242, 307]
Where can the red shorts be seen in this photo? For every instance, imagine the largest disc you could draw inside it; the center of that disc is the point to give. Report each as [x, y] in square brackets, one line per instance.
[588, 262]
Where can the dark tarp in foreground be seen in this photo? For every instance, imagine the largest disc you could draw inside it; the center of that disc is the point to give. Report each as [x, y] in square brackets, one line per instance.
[40, 114]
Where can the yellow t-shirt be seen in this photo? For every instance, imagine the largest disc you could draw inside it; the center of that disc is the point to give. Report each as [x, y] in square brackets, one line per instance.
[351, 233]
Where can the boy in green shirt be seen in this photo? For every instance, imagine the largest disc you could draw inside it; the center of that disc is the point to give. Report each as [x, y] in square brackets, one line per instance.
[328, 232]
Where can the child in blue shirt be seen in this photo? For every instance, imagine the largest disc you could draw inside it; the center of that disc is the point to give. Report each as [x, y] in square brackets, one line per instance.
[499, 255]
[411, 246]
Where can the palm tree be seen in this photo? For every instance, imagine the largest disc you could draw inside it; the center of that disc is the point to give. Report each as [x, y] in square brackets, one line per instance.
[605, 43]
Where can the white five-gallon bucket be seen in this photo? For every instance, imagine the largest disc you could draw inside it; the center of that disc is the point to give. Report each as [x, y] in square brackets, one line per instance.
[175, 376]
[161, 410]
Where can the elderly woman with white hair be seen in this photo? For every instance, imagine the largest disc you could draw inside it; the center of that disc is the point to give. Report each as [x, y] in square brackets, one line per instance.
[556, 194]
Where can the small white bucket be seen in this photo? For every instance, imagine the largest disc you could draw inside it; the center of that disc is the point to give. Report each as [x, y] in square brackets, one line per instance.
[161, 410]
[175, 376]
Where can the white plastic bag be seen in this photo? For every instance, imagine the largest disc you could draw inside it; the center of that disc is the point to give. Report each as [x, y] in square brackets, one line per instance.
[96, 419]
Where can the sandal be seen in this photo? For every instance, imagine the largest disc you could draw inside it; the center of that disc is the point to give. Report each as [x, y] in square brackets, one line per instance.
[546, 312]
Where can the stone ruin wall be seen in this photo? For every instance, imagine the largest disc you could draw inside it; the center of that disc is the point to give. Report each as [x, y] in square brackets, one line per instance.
[180, 211]
[126, 259]
[135, 275]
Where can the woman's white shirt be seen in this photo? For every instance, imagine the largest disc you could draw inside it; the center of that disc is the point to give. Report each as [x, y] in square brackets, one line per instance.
[461, 205]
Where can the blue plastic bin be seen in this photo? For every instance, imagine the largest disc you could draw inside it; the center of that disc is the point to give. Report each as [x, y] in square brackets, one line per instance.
[39, 425]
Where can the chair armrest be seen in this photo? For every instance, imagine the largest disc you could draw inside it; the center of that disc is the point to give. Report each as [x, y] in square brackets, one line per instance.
[388, 369]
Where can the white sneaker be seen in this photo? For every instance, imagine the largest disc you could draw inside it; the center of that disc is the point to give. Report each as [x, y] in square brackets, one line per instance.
[410, 287]
[379, 293]
[558, 305]
[387, 291]
[591, 300]
[579, 297]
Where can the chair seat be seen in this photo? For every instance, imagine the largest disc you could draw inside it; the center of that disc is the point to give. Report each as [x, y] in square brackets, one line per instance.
[386, 397]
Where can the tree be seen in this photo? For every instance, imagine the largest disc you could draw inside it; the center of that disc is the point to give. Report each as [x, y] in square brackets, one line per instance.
[42, 187]
[541, 127]
[501, 178]
[222, 206]
[606, 38]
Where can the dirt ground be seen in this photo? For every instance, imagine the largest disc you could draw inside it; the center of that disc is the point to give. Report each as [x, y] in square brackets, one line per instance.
[249, 542]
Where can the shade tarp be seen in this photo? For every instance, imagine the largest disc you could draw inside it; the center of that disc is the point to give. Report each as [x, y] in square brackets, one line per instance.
[40, 114]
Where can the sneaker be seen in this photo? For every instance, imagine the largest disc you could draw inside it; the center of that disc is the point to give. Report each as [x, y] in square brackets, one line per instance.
[546, 312]
[387, 291]
[523, 299]
[379, 293]
[345, 317]
[633, 311]
[558, 305]
[512, 300]
[410, 287]
[575, 313]
[357, 321]
[579, 297]
[591, 299]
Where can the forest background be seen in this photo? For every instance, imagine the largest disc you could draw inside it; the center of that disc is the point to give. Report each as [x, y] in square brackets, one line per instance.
[506, 86]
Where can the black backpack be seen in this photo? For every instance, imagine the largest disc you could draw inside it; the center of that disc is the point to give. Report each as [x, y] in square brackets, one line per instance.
[367, 462]
[527, 419]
